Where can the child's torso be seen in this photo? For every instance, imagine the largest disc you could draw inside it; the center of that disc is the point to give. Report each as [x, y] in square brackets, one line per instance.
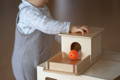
[22, 23]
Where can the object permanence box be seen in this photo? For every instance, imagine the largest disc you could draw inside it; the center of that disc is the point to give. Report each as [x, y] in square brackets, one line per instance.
[60, 64]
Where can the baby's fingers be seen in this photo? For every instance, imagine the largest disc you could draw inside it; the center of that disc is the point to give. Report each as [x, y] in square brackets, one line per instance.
[85, 29]
[80, 31]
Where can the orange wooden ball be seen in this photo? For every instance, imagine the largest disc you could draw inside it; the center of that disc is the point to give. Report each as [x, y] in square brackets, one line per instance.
[73, 55]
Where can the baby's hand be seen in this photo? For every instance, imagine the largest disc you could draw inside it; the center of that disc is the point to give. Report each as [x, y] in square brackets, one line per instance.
[79, 29]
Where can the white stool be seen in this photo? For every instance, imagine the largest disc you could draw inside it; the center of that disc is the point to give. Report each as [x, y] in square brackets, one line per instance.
[108, 68]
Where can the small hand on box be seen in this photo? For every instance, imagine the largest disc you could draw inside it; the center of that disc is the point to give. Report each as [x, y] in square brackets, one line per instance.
[75, 54]
[79, 29]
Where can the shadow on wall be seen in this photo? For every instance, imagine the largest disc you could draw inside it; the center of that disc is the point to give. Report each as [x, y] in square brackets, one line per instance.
[8, 10]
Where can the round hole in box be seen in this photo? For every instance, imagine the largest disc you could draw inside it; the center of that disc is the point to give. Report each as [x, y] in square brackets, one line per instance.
[76, 46]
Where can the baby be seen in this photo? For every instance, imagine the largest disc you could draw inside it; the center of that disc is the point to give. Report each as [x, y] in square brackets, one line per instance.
[35, 30]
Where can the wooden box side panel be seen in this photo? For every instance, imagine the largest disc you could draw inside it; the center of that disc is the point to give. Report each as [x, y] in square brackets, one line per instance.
[84, 42]
[60, 67]
[83, 66]
[96, 47]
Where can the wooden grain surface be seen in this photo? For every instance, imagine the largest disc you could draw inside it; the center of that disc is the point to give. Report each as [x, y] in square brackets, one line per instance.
[107, 68]
[59, 59]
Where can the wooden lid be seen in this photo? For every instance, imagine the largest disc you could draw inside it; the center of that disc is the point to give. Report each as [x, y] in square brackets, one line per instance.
[93, 31]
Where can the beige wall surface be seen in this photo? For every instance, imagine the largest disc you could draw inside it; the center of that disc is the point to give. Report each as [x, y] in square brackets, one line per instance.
[8, 10]
[98, 13]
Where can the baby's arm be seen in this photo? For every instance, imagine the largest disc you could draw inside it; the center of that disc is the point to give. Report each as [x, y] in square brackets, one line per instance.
[42, 22]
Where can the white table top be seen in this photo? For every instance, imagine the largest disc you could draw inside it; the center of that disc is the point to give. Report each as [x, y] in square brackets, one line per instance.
[106, 68]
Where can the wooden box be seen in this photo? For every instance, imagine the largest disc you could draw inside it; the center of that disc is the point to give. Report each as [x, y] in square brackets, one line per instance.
[63, 64]
[89, 46]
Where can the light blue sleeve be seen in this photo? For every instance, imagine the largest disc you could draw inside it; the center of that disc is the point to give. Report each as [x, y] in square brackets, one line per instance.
[42, 22]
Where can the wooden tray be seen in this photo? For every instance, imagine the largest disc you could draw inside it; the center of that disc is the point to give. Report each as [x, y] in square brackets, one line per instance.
[60, 64]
